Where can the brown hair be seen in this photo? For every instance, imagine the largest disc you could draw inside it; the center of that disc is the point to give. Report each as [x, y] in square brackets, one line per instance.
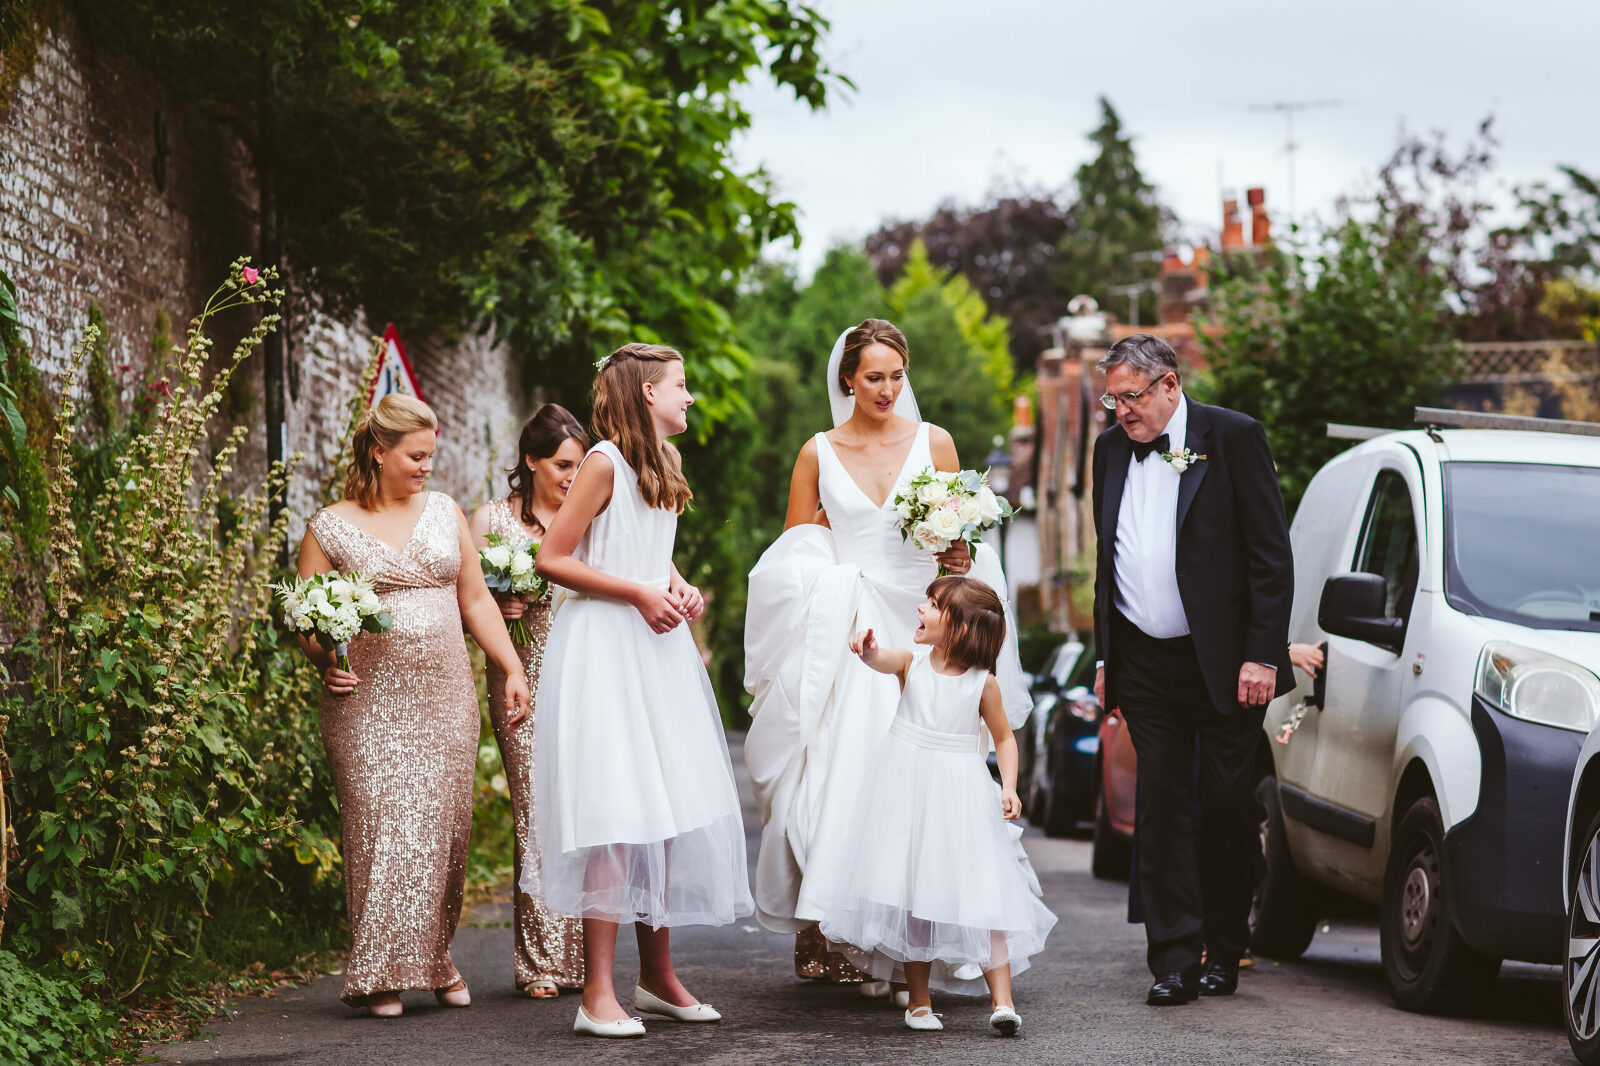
[383, 424]
[974, 619]
[542, 435]
[622, 417]
[871, 331]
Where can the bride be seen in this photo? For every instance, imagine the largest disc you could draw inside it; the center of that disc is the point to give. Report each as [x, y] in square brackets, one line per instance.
[840, 566]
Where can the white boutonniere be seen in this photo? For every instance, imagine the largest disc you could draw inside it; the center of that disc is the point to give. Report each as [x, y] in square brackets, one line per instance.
[1182, 459]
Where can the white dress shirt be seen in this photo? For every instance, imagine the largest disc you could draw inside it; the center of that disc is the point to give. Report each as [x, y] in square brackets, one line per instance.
[1145, 563]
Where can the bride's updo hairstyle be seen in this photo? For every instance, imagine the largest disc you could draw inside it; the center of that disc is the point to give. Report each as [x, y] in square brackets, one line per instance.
[974, 619]
[383, 424]
[870, 332]
[542, 436]
[622, 417]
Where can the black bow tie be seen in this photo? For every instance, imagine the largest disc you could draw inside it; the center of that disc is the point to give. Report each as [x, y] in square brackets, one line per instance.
[1158, 446]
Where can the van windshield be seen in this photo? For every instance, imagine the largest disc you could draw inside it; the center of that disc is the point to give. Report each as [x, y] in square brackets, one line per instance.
[1521, 543]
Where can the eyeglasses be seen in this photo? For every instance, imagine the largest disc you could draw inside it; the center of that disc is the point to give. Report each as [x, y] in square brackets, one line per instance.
[1109, 402]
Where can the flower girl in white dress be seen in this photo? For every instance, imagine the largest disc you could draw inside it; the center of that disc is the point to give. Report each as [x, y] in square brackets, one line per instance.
[635, 798]
[933, 876]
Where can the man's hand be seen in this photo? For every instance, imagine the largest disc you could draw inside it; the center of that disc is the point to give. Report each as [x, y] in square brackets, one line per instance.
[1257, 684]
[1100, 686]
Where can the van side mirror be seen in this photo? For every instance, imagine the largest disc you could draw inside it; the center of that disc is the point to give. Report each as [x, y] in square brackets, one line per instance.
[1352, 606]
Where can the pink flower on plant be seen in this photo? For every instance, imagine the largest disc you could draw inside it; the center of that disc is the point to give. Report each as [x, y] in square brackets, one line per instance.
[251, 275]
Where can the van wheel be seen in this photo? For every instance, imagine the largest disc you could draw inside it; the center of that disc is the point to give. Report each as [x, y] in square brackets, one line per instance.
[1111, 857]
[1429, 967]
[1283, 913]
[1580, 979]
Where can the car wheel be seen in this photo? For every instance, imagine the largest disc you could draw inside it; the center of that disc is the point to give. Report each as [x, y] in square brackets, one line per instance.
[1580, 975]
[1111, 857]
[1283, 912]
[1429, 967]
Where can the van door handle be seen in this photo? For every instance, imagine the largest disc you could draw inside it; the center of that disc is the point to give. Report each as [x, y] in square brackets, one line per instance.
[1319, 684]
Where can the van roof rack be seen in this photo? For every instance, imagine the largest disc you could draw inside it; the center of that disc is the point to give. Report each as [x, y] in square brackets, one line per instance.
[1344, 431]
[1444, 418]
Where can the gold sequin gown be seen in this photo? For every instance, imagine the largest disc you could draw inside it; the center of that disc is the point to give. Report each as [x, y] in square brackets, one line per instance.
[402, 749]
[548, 946]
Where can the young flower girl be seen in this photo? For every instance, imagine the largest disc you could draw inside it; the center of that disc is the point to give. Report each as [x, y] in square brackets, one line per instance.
[637, 809]
[933, 877]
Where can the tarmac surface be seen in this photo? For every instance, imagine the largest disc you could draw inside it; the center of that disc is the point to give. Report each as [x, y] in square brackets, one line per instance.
[1082, 1002]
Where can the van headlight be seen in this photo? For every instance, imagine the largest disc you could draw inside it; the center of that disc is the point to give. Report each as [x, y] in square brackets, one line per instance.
[1538, 687]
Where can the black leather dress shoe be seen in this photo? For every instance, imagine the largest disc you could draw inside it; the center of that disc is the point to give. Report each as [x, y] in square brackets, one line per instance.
[1172, 990]
[1219, 979]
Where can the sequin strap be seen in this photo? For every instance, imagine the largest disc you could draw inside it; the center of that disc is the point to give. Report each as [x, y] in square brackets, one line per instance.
[916, 735]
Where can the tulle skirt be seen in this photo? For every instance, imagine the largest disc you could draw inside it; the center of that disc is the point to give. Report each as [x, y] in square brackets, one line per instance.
[932, 874]
[637, 809]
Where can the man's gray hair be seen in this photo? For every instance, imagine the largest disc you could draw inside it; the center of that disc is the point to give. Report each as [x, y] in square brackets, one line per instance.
[1142, 351]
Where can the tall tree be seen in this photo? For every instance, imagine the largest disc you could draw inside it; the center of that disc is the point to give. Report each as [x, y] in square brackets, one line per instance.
[1006, 248]
[1117, 228]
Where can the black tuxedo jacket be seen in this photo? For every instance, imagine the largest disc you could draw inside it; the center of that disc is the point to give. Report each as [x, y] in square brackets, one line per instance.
[1235, 570]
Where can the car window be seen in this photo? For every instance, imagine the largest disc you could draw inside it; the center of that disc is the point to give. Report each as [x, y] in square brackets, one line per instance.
[1389, 543]
[1066, 657]
[1083, 675]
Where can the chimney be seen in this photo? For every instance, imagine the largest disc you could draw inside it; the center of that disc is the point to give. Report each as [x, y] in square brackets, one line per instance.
[1260, 226]
[1022, 412]
[1232, 228]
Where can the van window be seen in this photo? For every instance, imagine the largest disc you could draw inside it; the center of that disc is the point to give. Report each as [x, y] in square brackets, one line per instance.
[1389, 543]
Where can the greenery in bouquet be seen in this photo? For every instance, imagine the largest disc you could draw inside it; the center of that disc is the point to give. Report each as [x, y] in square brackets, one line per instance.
[334, 609]
[937, 508]
[508, 571]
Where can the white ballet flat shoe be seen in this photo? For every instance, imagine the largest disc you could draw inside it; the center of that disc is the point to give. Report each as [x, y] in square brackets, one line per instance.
[612, 1030]
[902, 999]
[875, 989]
[1006, 1021]
[923, 1018]
[647, 1002]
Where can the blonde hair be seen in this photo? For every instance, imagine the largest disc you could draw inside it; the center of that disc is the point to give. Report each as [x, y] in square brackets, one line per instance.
[974, 620]
[622, 417]
[383, 424]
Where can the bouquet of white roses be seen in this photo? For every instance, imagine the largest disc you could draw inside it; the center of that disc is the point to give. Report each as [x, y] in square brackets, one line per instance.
[936, 508]
[508, 568]
[334, 608]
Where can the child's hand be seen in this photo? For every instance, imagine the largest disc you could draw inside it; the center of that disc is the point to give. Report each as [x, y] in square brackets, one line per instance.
[865, 645]
[690, 603]
[659, 608]
[1010, 805]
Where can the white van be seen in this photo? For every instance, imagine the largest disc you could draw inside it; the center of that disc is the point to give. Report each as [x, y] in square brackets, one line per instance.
[1454, 575]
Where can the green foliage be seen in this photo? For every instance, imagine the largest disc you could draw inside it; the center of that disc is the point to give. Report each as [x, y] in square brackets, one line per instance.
[558, 169]
[47, 1020]
[960, 357]
[1117, 228]
[171, 796]
[1346, 331]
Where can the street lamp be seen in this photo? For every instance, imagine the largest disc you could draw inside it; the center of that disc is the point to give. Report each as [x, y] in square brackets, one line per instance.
[999, 463]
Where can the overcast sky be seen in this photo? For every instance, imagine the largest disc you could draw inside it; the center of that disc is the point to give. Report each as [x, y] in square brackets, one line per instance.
[955, 96]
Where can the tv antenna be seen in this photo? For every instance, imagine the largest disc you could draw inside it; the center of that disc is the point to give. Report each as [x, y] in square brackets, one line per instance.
[1287, 109]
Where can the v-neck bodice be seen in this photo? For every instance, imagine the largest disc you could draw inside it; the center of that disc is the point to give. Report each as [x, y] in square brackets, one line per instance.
[868, 535]
[431, 557]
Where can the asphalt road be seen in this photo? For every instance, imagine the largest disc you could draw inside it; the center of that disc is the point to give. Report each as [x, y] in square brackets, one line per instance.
[1083, 1002]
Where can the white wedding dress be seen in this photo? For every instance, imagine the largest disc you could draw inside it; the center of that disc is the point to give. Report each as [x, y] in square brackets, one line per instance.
[818, 712]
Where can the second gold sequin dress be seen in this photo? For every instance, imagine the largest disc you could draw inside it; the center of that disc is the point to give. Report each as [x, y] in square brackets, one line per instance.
[402, 749]
[548, 946]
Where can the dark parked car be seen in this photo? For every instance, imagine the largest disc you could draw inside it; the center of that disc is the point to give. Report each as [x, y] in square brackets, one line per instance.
[1058, 770]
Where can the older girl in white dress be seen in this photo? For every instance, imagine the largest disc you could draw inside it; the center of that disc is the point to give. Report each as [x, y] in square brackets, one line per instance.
[932, 877]
[637, 810]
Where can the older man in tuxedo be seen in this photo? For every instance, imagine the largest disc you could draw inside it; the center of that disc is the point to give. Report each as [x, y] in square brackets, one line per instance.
[1192, 594]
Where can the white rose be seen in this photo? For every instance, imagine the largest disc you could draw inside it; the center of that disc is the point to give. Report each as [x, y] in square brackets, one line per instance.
[499, 556]
[324, 609]
[932, 493]
[339, 589]
[946, 523]
[521, 563]
[925, 538]
[316, 596]
[370, 602]
[968, 511]
[903, 509]
[1180, 465]
[988, 504]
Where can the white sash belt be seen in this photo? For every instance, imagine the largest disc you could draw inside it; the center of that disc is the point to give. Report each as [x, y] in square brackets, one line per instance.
[564, 595]
[916, 735]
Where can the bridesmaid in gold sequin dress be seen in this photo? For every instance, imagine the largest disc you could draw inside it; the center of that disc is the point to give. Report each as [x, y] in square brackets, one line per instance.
[401, 726]
[549, 948]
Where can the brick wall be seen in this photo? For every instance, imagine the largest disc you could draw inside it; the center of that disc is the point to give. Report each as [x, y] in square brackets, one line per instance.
[115, 193]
